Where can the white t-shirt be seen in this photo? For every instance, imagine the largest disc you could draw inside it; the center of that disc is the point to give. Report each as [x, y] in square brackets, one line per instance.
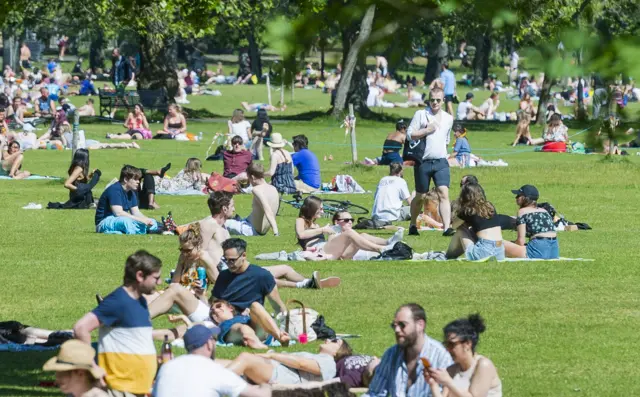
[463, 109]
[436, 142]
[372, 98]
[240, 129]
[514, 60]
[390, 193]
[196, 376]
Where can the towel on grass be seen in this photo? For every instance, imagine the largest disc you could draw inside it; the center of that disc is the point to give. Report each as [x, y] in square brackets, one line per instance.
[185, 192]
[31, 178]
[274, 343]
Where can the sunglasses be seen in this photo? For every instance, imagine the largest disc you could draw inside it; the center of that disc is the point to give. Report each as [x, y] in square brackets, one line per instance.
[435, 100]
[450, 344]
[231, 261]
[400, 324]
[345, 220]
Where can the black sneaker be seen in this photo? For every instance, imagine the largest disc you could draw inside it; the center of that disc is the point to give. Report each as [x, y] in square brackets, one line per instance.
[449, 232]
[413, 230]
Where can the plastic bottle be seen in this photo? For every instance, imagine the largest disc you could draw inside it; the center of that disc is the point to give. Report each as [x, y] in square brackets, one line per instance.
[202, 276]
[166, 354]
[200, 136]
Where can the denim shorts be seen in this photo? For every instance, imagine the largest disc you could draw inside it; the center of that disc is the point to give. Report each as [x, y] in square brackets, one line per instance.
[542, 248]
[483, 249]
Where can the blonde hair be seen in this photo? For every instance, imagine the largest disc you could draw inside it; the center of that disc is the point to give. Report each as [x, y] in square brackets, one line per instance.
[193, 166]
[191, 237]
[238, 116]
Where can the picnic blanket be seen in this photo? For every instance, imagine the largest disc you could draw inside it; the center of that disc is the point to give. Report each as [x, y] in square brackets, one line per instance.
[32, 178]
[274, 343]
[185, 192]
[18, 348]
[440, 256]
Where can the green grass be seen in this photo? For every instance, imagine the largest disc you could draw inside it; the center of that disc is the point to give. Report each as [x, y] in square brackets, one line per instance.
[554, 328]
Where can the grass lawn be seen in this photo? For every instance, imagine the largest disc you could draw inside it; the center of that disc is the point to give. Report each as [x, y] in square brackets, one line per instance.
[551, 325]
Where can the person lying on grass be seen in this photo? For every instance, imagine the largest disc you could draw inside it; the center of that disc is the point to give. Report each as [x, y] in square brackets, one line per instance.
[478, 227]
[535, 223]
[118, 212]
[292, 368]
[346, 242]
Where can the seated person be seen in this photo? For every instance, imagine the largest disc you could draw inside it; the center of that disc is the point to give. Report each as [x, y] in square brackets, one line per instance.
[174, 124]
[236, 160]
[392, 146]
[87, 87]
[555, 131]
[280, 165]
[87, 109]
[240, 127]
[79, 183]
[467, 110]
[489, 106]
[136, 124]
[147, 187]
[76, 375]
[59, 127]
[292, 368]
[11, 161]
[117, 211]
[306, 162]
[535, 223]
[15, 112]
[483, 239]
[523, 132]
[356, 370]
[190, 177]
[391, 192]
[430, 216]
[242, 285]
[347, 241]
[45, 106]
[461, 155]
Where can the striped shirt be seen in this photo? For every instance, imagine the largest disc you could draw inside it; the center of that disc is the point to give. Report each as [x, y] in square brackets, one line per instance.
[125, 343]
[391, 376]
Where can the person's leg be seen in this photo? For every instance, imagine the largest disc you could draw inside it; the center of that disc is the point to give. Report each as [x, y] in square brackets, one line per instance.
[286, 272]
[241, 177]
[442, 179]
[257, 369]
[375, 239]
[537, 141]
[249, 337]
[513, 250]
[175, 294]
[459, 242]
[16, 161]
[337, 246]
[124, 136]
[259, 146]
[260, 317]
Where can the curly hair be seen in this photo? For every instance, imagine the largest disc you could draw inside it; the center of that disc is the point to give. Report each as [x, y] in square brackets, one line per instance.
[191, 238]
[472, 201]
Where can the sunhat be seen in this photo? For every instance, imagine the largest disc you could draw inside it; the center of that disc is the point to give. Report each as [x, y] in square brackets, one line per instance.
[74, 354]
[276, 141]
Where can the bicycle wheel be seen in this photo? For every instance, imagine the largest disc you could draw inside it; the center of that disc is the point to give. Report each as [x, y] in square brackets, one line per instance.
[334, 206]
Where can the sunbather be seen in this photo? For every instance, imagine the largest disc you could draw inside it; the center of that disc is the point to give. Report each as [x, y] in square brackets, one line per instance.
[136, 124]
[11, 164]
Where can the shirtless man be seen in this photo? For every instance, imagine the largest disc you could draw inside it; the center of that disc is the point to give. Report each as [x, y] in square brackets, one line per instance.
[266, 201]
[87, 109]
[25, 57]
[16, 112]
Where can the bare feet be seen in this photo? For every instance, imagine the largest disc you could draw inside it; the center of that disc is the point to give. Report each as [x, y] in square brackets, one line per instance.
[255, 343]
[284, 339]
[135, 145]
[154, 206]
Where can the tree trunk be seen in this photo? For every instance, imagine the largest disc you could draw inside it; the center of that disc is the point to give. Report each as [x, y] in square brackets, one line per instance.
[352, 87]
[544, 98]
[582, 112]
[96, 48]
[10, 49]
[432, 70]
[323, 44]
[158, 64]
[481, 58]
[254, 54]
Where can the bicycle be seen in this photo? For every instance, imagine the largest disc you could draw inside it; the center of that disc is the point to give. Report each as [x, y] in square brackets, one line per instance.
[329, 206]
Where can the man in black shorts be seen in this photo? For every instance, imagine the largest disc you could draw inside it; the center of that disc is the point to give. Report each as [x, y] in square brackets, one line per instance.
[434, 125]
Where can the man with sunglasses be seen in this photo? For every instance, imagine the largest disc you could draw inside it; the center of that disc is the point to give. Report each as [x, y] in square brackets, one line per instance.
[237, 160]
[433, 125]
[400, 372]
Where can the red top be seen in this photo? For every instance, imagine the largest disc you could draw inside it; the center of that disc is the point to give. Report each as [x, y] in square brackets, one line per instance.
[236, 163]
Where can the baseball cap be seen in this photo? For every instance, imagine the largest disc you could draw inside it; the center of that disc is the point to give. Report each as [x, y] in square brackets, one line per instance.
[528, 191]
[469, 95]
[198, 335]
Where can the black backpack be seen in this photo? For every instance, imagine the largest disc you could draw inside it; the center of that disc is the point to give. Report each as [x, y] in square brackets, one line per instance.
[414, 150]
[399, 252]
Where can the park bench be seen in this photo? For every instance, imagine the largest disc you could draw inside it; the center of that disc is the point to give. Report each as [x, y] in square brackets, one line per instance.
[149, 99]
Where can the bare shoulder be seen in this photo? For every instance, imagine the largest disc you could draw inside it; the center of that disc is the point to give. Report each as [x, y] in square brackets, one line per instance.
[485, 363]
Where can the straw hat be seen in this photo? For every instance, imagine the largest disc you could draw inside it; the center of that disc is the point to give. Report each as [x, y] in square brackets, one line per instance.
[74, 354]
[276, 141]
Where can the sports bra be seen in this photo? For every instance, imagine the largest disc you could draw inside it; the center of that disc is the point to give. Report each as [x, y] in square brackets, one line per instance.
[304, 242]
[479, 223]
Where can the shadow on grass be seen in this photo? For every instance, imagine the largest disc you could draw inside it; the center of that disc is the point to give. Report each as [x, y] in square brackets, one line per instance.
[21, 373]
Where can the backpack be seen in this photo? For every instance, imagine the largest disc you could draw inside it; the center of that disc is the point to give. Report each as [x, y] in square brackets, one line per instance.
[365, 223]
[414, 150]
[400, 251]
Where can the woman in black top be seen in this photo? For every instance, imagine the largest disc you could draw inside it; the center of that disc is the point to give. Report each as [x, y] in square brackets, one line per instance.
[79, 183]
[535, 223]
[260, 133]
[478, 227]
[391, 147]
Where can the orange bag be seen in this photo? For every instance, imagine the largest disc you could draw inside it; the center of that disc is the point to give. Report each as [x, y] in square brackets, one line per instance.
[218, 183]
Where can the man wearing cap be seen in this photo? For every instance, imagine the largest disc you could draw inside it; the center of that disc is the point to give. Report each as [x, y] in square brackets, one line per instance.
[433, 125]
[467, 110]
[266, 201]
[76, 372]
[197, 375]
[125, 341]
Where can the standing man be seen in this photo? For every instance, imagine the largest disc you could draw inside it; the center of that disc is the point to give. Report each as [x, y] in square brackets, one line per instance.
[25, 57]
[434, 125]
[125, 343]
[266, 201]
[513, 66]
[449, 80]
[197, 374]
[121, 70]
[400, 372]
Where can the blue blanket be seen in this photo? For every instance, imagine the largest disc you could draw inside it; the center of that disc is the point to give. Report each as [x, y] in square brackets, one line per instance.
[32, 178]
[16, 348]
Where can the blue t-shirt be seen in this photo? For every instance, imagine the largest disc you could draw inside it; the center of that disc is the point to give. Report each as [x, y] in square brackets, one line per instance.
[461, 147]
[308, 167]
[449, 82]
[115, 195]
[52, 66]
[241, 290]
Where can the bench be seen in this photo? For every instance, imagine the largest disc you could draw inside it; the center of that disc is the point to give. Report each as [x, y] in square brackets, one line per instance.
[149, 99]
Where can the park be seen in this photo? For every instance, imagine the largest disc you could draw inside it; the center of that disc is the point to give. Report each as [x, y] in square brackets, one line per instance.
[346, 75]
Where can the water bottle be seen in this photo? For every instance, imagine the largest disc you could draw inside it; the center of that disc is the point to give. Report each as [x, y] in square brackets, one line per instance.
[167, 353]
[202, 276]
[200, 136]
